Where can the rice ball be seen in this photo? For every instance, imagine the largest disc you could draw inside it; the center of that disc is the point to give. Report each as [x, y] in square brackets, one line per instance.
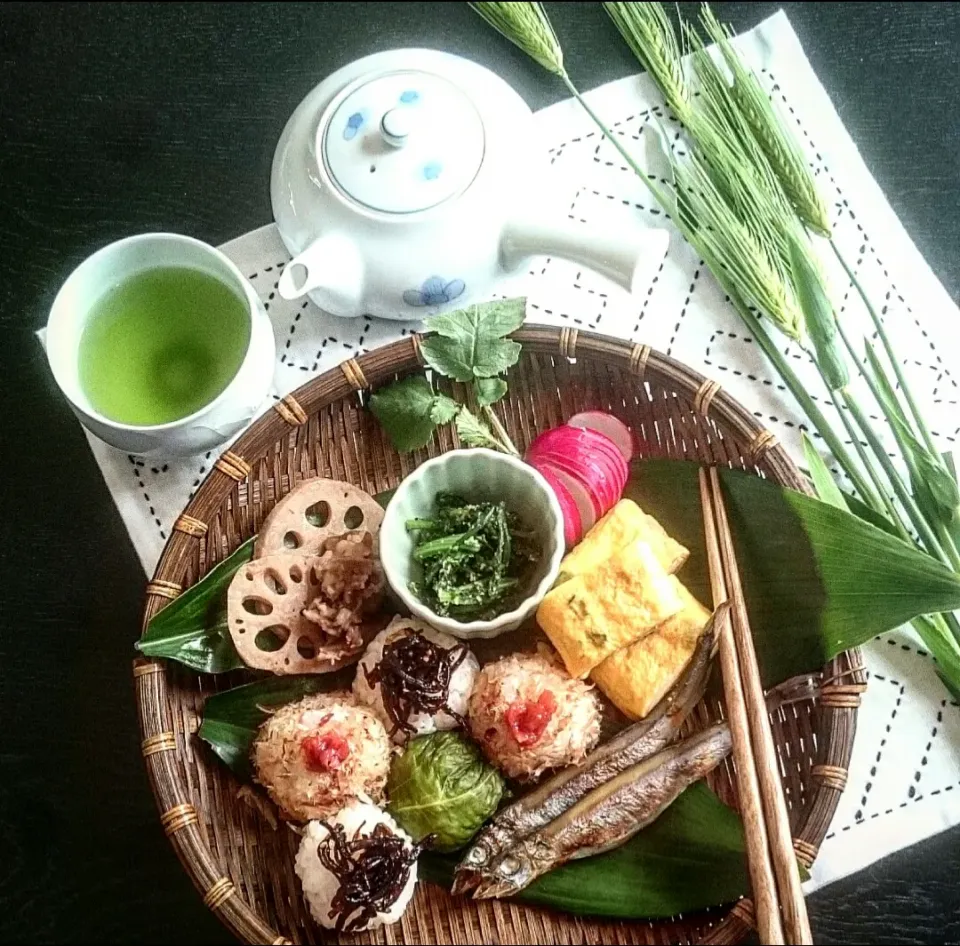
[320, 753]
[329, 855]
[419, 651]
[528, 715]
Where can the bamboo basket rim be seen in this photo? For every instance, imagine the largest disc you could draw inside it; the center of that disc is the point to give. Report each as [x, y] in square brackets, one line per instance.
[843, 678]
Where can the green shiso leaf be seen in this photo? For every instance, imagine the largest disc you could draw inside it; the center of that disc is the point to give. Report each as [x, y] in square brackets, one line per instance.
[441, 786]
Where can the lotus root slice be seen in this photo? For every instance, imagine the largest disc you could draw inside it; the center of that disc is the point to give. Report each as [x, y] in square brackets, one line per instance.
[317, 509]
[265, 604]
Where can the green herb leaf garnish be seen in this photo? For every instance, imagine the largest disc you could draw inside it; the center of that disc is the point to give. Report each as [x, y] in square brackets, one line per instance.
[469, 346]
[473, 432]
[409, 410]
[470, 343]
[490, 390]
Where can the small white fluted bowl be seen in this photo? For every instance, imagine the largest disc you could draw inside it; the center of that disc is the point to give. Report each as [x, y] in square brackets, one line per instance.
[482, 476]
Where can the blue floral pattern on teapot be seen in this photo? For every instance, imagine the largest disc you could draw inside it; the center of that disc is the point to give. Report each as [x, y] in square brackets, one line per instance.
[435, 291]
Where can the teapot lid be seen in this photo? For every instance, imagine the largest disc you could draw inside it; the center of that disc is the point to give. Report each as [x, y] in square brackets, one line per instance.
[402, 141]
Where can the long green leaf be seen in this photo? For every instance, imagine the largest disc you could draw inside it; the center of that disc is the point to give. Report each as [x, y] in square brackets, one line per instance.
[231, 718]
[192, 629]
[691, 857]
[818, 316]
[823, 481]
[860, 509]
[817, 580]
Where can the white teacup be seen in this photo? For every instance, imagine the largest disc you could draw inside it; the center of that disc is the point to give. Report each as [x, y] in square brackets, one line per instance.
[211, 425]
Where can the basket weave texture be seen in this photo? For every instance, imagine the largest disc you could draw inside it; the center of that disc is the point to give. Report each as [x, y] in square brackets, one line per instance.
[243, 868]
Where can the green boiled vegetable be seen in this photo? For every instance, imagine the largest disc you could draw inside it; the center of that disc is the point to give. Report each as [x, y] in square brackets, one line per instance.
[441, 786]
[193, 627]
[474, 558]
[817, 580]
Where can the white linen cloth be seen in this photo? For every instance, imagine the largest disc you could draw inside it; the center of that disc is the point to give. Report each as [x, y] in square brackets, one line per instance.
[904, 780]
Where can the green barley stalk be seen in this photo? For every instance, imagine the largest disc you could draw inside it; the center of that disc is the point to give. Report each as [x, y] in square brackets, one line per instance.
[647, 31]
[781, 149]
[526, 25]
[730, 202]
[730, 246]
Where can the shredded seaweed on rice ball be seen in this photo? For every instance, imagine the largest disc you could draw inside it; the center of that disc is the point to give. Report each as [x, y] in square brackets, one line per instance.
[416, 679]
[358, 870]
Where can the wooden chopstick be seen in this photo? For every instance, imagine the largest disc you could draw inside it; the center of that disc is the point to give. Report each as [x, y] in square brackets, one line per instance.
[759, 865]
[744, 678]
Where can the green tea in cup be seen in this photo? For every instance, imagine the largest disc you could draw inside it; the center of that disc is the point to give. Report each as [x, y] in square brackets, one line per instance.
[161, 344]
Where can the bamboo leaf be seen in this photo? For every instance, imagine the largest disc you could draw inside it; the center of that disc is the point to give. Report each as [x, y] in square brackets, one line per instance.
[691, 857]
[817, 580]
[231, 718]
[192, 629]
[823, 481]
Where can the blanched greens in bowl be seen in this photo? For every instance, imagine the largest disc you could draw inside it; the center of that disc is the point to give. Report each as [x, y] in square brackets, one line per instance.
[476, 557]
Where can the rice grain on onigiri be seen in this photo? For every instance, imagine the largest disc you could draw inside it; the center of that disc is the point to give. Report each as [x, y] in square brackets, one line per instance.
[418, 680]
[321, 753]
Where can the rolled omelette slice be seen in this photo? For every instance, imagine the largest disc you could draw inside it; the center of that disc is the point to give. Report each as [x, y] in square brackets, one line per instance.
[600, 611]
[624, 523]
[637, 677]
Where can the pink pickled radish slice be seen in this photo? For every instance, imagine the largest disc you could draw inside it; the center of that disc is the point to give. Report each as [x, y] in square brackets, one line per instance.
[609, 426]
[580, 494]
[571, 514]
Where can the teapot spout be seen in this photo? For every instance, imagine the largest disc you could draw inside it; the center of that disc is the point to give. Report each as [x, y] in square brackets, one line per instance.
[628, 259]
[331, 269]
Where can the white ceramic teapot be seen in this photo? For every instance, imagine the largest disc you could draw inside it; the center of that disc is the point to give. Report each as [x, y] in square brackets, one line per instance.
[409, 181]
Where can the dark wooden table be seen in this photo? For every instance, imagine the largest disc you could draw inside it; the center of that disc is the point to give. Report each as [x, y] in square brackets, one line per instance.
[123, 118]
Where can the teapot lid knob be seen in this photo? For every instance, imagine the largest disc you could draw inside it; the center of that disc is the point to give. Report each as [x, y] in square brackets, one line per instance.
[401, 142]
[395, 126]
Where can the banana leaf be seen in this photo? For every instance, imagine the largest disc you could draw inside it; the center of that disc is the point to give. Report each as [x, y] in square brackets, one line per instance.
[817, 580]
[192, 629]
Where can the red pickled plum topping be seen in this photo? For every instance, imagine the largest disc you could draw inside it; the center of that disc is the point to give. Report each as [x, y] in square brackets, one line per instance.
[527, 720]
[326, 752]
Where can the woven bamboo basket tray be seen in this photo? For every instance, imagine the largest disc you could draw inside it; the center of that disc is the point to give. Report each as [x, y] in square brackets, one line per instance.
[243, 868]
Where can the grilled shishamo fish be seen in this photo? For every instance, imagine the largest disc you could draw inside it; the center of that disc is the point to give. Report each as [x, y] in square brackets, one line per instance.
[607, 816]
[560, 793]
